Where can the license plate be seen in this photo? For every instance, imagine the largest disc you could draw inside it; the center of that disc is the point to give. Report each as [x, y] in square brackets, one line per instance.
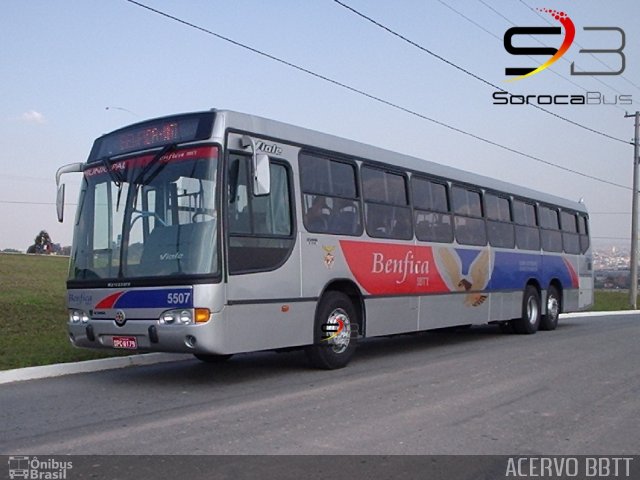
[130, 343]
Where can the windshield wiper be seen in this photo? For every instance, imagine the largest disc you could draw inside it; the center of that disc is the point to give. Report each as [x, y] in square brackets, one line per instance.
[115, 178]
[166, 149]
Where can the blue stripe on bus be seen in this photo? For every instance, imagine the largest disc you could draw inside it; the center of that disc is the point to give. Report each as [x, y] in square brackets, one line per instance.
[162, 298]
[513, 269]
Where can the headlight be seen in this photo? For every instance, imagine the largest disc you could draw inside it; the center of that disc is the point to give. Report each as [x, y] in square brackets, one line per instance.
[172, 317]
[77, 316]
[184, 316]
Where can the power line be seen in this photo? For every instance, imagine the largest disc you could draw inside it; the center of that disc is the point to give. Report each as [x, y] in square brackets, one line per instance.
[20, 202]
[609, 238]
[471, 74]
[122, 109]
[25, 178]
[609, 213]
[373, 97]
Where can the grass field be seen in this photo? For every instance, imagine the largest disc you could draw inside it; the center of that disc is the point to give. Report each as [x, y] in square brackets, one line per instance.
[33, 323]
[611, 300]
[34, 317]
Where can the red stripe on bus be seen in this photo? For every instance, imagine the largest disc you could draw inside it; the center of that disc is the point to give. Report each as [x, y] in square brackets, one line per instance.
[109, 302]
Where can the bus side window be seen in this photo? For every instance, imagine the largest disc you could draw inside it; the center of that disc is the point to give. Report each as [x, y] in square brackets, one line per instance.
[583, 230]
[431, 211]
[527, 233]
[387, 210]
[260, 228]
[500, 229]
[550, 229]
[239, 219]
[570, 237]
[330, 197]
[469, 225]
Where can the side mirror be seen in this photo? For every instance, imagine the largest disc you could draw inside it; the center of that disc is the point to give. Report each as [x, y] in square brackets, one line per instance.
[260, 168]
[60, 203]
[71, 168]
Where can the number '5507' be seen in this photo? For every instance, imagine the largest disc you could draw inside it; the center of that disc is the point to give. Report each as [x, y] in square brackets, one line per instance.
[178, 298]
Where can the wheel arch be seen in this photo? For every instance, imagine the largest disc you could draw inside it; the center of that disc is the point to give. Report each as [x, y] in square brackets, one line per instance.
[536, 283]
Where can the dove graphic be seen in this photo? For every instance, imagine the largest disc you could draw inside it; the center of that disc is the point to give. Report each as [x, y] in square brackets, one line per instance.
[450, 268]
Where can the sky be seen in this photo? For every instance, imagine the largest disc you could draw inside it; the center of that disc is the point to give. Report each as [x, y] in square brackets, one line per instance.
[73, 70]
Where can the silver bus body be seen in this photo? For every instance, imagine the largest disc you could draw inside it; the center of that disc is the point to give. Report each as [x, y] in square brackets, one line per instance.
[396, 284]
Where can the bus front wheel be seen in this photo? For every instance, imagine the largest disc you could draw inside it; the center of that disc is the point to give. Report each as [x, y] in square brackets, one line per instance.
[335, 332]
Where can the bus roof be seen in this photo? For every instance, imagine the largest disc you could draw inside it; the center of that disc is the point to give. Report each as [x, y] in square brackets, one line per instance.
[279, 131]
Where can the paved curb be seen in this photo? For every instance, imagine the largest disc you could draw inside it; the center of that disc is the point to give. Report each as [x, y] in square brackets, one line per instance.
[599, 314]
[59, 369]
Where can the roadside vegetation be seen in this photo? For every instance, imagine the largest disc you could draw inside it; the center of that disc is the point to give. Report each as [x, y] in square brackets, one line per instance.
[34, 316]
[611, 300]
[33, 321]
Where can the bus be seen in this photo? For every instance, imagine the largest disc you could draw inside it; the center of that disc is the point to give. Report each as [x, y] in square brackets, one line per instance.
[217, 232]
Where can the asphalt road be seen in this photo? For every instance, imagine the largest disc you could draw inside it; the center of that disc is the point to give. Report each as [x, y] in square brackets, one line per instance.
[572, 391]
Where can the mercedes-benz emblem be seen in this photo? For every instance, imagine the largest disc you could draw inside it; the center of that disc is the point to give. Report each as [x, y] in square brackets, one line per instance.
[121, 318]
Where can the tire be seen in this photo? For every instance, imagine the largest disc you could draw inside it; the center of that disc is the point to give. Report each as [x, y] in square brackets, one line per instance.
[334, 327]
[529, 322]
[554, 307]
[203, 357]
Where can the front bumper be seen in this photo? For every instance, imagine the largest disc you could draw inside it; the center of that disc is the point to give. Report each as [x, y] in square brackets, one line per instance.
[150, 336]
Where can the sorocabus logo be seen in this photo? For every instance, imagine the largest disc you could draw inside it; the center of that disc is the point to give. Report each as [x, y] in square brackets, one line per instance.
[556, 53]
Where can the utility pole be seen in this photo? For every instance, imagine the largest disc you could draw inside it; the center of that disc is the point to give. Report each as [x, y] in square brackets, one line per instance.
[633, 291]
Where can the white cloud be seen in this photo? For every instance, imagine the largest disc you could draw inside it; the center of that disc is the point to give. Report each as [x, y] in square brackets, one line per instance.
[33, 117]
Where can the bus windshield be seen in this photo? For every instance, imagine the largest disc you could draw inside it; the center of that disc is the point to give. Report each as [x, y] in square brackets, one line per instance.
[148, 216]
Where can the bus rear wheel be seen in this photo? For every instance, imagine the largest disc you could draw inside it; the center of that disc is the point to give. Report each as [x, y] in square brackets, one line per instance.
[550, 320]
[529, 322]
[335, 330]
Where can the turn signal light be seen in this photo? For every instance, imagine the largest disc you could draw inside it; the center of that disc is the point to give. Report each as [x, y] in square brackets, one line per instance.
[202, 315]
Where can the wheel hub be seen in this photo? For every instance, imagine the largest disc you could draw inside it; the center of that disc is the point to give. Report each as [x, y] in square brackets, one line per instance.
[532, 310]
[337, 330]
[553, 307]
